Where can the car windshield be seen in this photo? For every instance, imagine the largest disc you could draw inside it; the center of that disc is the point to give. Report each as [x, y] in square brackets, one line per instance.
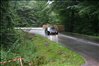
[51, 29]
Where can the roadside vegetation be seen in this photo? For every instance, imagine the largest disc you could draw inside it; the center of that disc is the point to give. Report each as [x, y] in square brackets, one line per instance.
[77, 17]
[40, 51]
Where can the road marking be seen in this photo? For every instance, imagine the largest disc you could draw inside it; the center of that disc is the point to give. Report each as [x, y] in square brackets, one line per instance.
[81, 40]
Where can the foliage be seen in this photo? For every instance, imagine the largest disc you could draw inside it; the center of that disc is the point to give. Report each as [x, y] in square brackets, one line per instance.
[79, 16]
[7, 33]
[40, 53]
[33, 13]
[28, 12]
[23, 48]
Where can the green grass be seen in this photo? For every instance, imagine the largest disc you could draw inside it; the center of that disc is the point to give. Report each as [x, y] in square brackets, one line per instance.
[54, 54]
[40, 51]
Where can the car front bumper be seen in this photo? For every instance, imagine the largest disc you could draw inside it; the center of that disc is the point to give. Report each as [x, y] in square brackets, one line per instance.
[53, 33]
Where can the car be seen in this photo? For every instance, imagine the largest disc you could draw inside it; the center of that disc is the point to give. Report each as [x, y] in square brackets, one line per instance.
[51, 31]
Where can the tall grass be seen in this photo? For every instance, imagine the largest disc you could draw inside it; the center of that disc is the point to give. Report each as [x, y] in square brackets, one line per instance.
[23, 47]
[39, 51]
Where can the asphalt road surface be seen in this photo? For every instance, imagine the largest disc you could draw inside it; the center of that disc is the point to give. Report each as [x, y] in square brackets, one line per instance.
[88, 49]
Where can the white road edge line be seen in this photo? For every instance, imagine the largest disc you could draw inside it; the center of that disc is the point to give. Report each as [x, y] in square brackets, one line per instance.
[81, 40]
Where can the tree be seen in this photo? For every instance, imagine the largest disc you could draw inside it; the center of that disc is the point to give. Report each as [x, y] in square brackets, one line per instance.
[78, 16]
[7, 33]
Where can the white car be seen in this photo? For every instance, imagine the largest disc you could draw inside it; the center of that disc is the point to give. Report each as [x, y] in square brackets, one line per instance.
[51, 31]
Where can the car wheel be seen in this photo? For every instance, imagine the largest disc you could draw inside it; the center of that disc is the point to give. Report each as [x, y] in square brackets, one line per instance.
[48, 33]
[56, 32]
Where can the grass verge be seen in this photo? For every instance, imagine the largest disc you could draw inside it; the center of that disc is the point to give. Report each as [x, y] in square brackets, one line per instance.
[54, 54]
[39, 51]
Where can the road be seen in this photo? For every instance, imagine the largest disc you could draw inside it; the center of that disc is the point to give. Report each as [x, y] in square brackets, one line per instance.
[89, 50]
